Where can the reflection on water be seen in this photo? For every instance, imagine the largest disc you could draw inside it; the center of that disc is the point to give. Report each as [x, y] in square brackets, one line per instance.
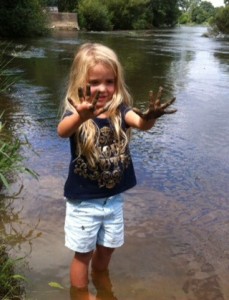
[177, 242]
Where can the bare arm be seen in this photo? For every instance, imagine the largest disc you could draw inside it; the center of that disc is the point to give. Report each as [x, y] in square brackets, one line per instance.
[135, 121]
[69, 125]
[84, 111]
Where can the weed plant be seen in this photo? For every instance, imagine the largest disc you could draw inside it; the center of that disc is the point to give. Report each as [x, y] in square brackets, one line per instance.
[11, 159]
[11, 284]
[11, 164]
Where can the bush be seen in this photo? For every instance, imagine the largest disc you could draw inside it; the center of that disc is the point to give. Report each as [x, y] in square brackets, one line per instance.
[11, 160]
[114, 14]
[6, 79]
[202, 13]
[184, 18]
[128, 14]
[141, 23]
[221, 20]
[10, 283]
[22, 18]
[93, 15]
[66, 5]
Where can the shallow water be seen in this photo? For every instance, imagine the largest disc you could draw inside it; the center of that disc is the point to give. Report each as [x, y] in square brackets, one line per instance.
[177, 242]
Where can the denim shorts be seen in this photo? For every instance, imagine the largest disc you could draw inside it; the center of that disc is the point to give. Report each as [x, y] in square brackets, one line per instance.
[94, 221]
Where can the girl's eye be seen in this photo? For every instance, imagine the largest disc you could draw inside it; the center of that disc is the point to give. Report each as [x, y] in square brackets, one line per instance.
[98, 82]
[93, 82]
[110, 81]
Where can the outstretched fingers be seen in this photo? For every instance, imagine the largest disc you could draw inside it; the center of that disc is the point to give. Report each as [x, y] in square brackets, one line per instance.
[72, 103]
[156, 109]
[167, 104]
[81, 94]
[88, 91]
[96, 98]
[171, 111]
[159, 93]
[153, 100]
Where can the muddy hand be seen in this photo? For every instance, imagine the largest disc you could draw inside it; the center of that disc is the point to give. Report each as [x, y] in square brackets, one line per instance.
[156, 109]
[87, 107]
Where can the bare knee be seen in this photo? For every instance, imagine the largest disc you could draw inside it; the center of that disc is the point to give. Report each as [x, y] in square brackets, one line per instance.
[79, 269]
[104, 251]
[83, 257]
[101, 258]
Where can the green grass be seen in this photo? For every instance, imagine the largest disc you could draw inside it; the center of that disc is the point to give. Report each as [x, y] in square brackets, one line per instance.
[11, 166]
[12, 284]
[7, 79]
[11, 159]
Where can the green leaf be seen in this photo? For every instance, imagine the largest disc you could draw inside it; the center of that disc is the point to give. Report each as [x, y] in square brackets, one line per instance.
[4, 180]
[55, 285]
[19, 277]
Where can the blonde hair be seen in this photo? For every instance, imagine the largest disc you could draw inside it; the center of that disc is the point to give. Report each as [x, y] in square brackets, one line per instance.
[89, 55]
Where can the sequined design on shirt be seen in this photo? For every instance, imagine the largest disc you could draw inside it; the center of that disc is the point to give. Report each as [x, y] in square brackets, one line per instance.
[112, 161]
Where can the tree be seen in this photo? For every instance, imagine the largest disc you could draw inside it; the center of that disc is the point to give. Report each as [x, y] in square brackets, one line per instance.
[93, 15]
[188, 5]
[126, 14]
[165, 12]
[203, 12]
[221, 20]
[22, 18]
[67, 5]
[114, 14]
[184, 5]
[195, 11]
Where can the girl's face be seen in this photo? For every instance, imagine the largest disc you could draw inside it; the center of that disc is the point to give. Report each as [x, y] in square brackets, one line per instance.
[101, 78]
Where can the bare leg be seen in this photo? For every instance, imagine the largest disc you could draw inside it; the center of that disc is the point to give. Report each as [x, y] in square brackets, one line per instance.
[79, 294]
[102, 283]
[101, 258]
[79, 269]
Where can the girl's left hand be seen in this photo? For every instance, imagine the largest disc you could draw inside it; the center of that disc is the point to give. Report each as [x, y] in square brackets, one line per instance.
[156, 109]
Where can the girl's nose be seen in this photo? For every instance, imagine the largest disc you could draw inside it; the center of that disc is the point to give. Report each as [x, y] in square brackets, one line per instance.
[102, 87]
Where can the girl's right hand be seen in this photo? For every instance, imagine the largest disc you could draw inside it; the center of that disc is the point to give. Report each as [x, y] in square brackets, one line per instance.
[87, 107]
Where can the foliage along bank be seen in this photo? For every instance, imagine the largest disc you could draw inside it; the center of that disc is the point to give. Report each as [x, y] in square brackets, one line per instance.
[11, 164]
[28, 18]
[22, 18]
[144, 14]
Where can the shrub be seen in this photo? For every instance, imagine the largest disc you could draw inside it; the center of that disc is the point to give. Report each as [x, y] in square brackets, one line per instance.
[128, 14]
[221, 20]
[6, 79]
[22, 18]
[10, 283]
[184, 18]
[66, 5]
[11, 159]
[93, 15]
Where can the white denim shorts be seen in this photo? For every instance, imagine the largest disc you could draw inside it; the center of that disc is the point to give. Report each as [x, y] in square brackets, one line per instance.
[94, 221]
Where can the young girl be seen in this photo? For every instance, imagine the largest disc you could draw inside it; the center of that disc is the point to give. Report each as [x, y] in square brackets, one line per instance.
[97, 118]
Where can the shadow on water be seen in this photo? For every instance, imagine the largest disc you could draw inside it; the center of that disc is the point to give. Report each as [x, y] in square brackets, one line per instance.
[177, 217]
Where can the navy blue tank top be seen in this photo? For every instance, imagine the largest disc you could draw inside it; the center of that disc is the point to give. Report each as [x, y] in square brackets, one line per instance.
[113, 173]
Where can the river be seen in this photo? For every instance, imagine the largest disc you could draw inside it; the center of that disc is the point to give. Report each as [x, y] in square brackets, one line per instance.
[177, 217]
